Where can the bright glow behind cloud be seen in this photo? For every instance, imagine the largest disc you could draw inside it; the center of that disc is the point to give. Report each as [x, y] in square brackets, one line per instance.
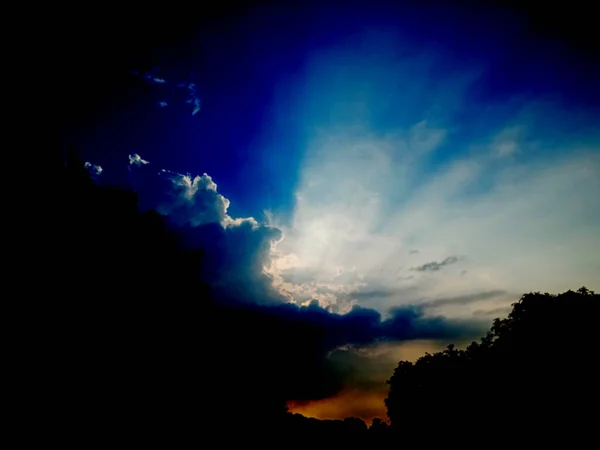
[399, 198]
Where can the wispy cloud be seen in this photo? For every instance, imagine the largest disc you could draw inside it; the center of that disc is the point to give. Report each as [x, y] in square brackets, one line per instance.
[435, 266]
[171, 87]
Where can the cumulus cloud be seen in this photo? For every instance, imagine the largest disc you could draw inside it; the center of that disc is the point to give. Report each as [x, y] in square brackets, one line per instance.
[237, 250]
[186, 200]
[193, 201]
[236, 257]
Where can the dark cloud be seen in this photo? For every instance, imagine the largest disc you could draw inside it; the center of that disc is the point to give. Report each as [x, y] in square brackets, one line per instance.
[364, 325]
[306, 336]
[235, 259]
[413, 252]
[434, 266]
[409, 323]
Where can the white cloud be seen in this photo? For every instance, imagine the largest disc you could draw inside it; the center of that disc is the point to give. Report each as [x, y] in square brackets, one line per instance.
[94, 169]
[238, 251]
[193, 201]
[136, 160]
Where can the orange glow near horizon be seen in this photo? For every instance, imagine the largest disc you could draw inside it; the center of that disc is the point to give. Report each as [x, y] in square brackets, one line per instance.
[348, 403]
[377, 365]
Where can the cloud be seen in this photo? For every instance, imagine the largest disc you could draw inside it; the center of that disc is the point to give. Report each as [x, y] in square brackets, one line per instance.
[465, 299]
[193, 201]
[300, 275]
[170, 86]
[300, 353]
[237, 250]
[364, 326]
[186, 200]
[94, 169]
[236, 256]
[508, 141]
[435, 266]
[136, 160]
[410, 323]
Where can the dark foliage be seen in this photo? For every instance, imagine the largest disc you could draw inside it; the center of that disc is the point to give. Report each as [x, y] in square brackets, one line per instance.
[534, 377]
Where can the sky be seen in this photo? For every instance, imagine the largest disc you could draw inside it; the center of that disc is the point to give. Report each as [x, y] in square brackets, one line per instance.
[380, 157]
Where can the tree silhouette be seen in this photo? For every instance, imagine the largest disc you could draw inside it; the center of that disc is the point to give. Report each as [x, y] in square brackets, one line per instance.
[530, 377]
